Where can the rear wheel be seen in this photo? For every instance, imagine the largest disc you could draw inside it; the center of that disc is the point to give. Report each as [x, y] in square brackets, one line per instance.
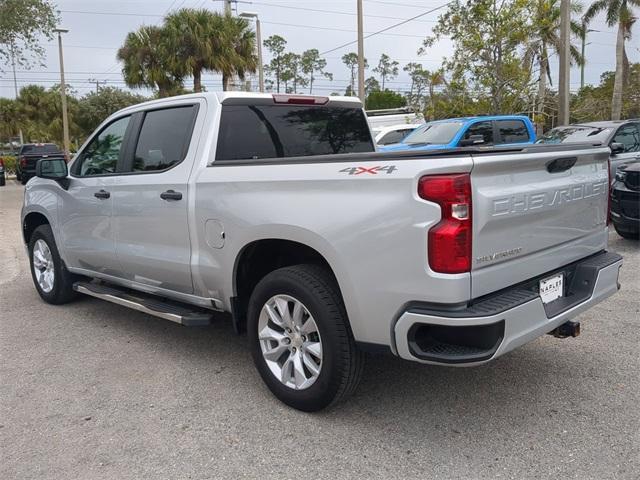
[301, 342]
[50, 277]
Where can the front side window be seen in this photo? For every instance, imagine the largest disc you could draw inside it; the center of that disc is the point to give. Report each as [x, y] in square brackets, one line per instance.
[481, 128]
[101, 156]
[512, 131]
[250, 132]
[629, 136]
[164, 138]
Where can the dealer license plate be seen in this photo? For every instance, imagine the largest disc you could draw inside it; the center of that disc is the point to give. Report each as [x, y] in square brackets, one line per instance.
[551, 288]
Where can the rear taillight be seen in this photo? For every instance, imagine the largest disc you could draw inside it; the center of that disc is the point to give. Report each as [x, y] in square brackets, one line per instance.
[449, 241]
[23, 161]
[609, 192]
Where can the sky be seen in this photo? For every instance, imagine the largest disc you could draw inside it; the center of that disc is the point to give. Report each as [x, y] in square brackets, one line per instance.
[97, 28]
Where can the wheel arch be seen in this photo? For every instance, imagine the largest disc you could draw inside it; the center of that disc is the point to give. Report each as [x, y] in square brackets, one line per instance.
[31, 221]
[258, 258]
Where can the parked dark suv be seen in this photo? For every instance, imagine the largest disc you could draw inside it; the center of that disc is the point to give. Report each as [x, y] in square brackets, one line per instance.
[625, 201]
[29, 155]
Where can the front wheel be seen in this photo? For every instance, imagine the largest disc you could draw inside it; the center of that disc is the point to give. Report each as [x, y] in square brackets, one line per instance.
[300, 338]
[50, 277]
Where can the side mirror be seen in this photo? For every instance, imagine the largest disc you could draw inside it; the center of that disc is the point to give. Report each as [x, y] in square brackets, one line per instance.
[472, 141]
[616, 148]
[53, 169]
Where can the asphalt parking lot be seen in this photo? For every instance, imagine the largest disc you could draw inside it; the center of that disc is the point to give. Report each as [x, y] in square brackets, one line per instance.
[92, 390]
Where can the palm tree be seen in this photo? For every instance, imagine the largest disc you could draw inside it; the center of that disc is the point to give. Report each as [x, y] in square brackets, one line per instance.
[234, 48]
[189, 33]
[544, 36]
[618, 12]
[147, 62]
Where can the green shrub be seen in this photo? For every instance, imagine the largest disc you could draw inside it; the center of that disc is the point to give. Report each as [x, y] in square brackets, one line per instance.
[9, 164]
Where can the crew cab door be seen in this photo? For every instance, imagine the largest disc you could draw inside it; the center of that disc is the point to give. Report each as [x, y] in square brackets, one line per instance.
[150, 202]
[86, 207]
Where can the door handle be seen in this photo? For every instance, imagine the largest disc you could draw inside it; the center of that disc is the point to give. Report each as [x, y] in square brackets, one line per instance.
[102, 194]
[171, 195]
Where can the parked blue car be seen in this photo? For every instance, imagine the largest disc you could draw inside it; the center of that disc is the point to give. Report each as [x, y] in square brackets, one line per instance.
[469, 131]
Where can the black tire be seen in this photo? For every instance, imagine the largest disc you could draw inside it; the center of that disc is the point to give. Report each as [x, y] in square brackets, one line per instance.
[62, 291]
[2, 180]
[342, 362]
[24, 180]
[627, 234]
[18, 176]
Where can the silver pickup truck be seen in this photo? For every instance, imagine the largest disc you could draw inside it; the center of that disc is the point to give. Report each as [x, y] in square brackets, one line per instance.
[277, 209]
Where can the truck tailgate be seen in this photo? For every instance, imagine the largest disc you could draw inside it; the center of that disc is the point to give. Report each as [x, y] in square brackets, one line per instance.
[536, 212]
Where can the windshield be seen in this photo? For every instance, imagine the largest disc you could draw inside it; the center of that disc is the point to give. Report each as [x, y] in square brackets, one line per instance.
[575, 135]
[433, 133]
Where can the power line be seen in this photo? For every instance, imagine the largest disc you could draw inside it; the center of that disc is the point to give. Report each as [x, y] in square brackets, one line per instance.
[388, 28]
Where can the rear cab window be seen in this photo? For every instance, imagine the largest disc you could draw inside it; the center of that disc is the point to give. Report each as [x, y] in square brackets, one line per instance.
[42, 149]
[481, 128]
[259, 131]
[512, 131]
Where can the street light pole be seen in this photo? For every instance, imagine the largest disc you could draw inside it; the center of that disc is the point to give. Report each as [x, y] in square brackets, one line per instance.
[583, 37]
[63, 93]
[15, 85]
[360, 53]
[259, 45]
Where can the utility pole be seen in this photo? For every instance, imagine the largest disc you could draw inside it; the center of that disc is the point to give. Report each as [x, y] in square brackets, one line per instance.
[63, 93]
[563, 80]
[259, 45]
[97, 82]
[583, 37]
[360, 54]
[15, 85]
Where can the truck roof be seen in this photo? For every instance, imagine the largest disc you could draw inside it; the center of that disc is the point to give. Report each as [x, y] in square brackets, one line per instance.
[220, 97]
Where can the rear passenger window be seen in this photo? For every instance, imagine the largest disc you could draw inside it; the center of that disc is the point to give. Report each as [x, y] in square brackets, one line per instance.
[481, 128]
[512, 131]
[164, 138]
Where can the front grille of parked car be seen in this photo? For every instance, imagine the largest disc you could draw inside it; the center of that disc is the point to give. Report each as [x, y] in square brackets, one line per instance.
[632, 180]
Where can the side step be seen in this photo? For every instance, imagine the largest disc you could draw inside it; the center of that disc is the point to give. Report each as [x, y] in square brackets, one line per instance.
[176, 312]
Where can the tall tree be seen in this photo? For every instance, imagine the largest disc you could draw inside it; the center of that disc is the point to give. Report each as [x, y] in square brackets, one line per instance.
[147, 61]
[351, 61]
[312, 63]
[620, 13]
[235, 47]
[544, 36]
[387, 68]
[23, 23]
[276, 46]
[190, 34]
[371, 84]
[292, 72]
[487, 37]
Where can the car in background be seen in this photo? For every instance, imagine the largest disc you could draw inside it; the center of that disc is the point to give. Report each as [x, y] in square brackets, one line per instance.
[393, 116]
[468, 131]
[392, 134]
[625, 201]
[28, 157]
[622, 137]
[2, 177]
